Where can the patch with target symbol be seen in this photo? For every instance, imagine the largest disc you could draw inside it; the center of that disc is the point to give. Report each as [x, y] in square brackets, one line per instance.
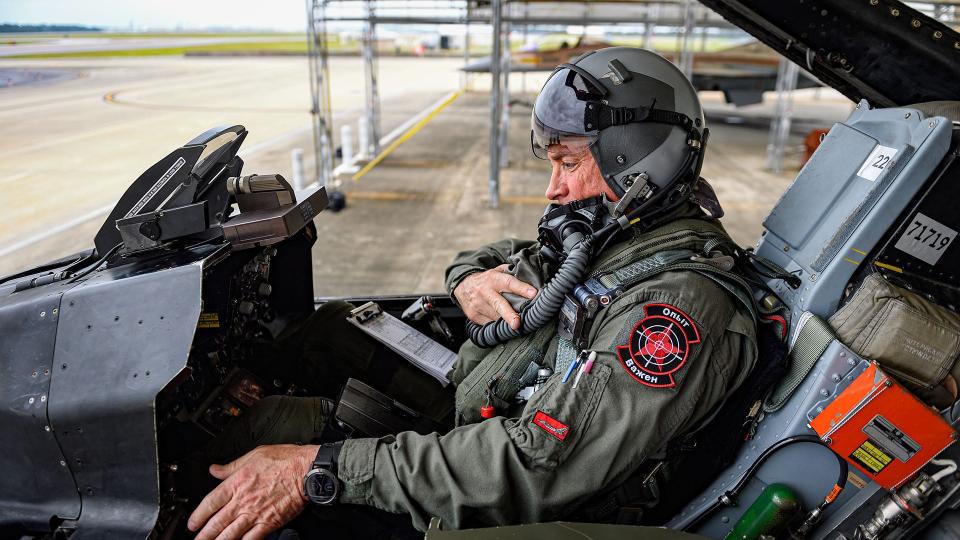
[659, 345]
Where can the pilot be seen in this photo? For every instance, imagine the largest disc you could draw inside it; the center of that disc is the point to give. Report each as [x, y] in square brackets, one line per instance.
[671, 339]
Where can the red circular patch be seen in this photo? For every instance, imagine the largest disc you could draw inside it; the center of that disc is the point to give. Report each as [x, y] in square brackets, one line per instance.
[659, 345]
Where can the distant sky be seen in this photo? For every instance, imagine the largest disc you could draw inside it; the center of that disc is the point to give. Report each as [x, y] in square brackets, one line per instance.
[287, 15]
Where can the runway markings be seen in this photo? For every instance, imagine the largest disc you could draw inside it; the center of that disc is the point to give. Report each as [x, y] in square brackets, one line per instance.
[111, 97]
[53, 231]
[103, 211]
[13, 178]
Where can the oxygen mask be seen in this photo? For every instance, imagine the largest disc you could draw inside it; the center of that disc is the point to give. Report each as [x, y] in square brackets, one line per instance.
[563, 226]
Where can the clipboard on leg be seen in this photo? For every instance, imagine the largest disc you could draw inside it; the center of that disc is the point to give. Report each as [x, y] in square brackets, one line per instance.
[417, 348]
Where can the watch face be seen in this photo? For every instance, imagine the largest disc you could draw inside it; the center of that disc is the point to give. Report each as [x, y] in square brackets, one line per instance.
[321, 486]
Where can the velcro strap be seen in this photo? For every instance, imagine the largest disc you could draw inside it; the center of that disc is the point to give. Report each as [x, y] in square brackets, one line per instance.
[566, 353]
[644, 268]
[604, 116]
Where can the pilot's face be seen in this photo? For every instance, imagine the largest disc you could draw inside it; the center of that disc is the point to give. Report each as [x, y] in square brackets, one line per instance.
[575, 175]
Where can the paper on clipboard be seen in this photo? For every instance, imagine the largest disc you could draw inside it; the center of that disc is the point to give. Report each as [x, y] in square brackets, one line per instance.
[418, 349]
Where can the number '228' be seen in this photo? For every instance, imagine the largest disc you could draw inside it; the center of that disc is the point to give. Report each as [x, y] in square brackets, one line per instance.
[928, 235]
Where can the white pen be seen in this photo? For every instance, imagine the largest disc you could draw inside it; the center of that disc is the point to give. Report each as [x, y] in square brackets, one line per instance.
[585, 368]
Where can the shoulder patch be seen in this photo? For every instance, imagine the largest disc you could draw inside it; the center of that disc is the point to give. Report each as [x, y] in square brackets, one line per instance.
[658, 346]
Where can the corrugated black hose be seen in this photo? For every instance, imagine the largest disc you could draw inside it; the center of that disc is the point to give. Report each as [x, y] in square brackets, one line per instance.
[542, 309]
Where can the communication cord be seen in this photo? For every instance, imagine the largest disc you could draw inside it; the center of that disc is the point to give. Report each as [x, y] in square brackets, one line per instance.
[729, 498]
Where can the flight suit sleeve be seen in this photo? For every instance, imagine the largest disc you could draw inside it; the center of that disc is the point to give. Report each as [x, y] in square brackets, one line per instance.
[485, 258]
[568, 443]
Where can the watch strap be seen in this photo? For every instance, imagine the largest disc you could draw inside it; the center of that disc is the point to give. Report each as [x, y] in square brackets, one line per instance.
[327, 456]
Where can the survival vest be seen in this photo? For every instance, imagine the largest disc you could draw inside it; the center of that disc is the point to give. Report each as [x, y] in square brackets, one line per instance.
[701, 246]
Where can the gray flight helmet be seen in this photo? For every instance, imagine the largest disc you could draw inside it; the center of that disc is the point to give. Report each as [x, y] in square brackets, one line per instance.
[639, 116]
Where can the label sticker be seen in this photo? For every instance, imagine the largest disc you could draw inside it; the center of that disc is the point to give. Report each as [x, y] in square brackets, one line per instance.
[876, 162]
[855, 480]
[926, 239]
[180, 162]
[209, 320]
[556, 428]
[658, 346]
[869, 456]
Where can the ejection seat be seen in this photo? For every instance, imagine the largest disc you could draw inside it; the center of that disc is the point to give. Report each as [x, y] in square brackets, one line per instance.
[846, 216]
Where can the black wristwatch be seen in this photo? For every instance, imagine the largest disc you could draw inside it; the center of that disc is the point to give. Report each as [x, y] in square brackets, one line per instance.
[320, 485]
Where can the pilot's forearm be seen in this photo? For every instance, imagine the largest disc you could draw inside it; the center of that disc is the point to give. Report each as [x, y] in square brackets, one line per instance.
[503, 470]
[475, 474]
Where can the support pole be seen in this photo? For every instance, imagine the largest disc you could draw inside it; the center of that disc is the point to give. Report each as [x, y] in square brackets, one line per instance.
[346, 144]
[320, 110]
[783, 115]
[526, 36]
[505, 93]
[649, 27]
[363, 139]
[685, 52]
[296, 164]
[466, 80]
[704, 30]
[496, 105]
[372, 93]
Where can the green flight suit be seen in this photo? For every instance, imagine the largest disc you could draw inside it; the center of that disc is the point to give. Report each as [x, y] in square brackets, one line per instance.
[544, 460]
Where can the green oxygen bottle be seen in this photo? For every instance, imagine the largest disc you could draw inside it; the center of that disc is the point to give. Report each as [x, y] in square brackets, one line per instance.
[769, 514]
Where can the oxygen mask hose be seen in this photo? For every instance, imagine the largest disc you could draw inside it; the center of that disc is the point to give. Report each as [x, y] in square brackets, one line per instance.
[544, 307]
[579, 249]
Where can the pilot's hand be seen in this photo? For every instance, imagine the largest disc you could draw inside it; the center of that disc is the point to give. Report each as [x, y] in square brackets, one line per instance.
[260, 492]
[479, 295]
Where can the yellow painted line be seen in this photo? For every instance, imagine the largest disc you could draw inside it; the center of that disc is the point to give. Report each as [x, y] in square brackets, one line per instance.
[889, 267]
[521, 199]
[855, 250]
[849, 260]
[386, 196]
[406, 136]
[422, 196]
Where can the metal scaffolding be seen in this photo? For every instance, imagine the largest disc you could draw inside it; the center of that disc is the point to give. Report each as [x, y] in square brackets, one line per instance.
[682, 14]
[372, 92]
[685, 62]
[496, 104]
[505, 93]
[320, 110]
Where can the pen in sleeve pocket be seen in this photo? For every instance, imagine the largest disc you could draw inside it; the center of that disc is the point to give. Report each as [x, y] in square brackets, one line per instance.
[585, 368]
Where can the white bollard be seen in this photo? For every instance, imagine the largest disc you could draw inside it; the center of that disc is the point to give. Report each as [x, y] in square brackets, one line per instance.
[346, 144]
[363, 136]
[296, 158]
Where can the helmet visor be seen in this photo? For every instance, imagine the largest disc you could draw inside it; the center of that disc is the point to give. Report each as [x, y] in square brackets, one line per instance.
[559, 114]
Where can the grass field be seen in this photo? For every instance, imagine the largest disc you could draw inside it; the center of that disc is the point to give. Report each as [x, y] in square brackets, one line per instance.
[258, 47]
[7, 39]
[292, 43]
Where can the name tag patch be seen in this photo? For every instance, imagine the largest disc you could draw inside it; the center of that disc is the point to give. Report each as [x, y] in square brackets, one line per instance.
[658, 346]
[553, 427]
